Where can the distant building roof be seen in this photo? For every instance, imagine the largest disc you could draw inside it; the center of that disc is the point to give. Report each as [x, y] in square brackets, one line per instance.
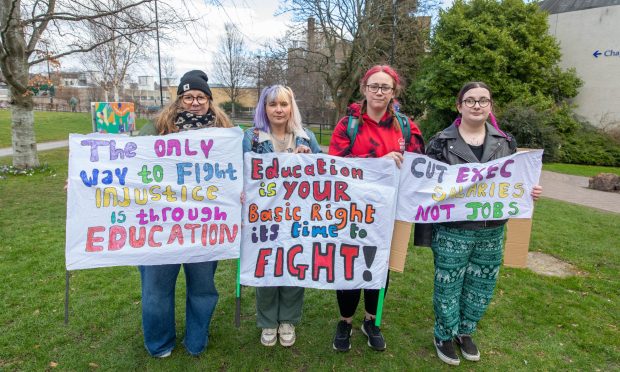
[563, 6]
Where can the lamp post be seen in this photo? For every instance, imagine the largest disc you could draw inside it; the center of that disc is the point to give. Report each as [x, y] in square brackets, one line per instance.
[258, 80]
[161, 92]
[393, 46]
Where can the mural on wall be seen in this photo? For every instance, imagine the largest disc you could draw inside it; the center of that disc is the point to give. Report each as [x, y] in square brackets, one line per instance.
[113, 117]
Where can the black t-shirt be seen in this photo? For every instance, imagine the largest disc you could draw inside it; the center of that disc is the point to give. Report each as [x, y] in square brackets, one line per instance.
[477, 150]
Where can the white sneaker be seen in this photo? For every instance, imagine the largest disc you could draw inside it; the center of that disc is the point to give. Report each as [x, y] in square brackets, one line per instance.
[165, 355]
[269, 336]
[287, 334]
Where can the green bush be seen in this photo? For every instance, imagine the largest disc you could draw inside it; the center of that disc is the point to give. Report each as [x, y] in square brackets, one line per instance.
[564, 138]
[590, 146]
[227, 107]
[531, 129]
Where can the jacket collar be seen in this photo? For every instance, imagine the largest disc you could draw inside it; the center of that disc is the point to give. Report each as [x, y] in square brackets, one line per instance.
[493, 142]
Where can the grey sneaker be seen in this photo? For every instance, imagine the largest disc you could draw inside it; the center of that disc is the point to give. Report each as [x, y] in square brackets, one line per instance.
[269, 336]
[342, 339]
[468, 347]
[375, 338]
[287, 334]
[446, 352]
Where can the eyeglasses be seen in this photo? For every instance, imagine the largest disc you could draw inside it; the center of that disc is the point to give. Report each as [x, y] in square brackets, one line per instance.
[188, 100]
[470, 102]
[375, 88]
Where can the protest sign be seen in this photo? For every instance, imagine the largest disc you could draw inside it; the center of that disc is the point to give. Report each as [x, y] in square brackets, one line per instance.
[431, 191]
[113, 117]
[317, 221]
[155, 199]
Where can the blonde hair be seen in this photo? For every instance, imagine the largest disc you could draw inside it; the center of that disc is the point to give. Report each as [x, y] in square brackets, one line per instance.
[272, 94]
[164, 122]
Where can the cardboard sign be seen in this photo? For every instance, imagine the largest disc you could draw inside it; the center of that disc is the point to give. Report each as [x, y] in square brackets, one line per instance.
[155, 199]
[317, 221]
[431, 191]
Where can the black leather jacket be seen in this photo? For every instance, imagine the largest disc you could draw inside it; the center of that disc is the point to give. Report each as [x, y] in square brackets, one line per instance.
[449, 147]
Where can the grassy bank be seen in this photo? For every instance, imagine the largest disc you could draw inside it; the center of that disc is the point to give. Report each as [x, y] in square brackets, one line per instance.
[534, 322]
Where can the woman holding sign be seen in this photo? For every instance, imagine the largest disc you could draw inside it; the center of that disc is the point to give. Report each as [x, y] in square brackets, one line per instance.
[467, 254]
[278, 128]
[193, 108]
[374, 128]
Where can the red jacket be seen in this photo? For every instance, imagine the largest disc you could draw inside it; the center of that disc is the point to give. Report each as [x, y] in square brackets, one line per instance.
[373, 139]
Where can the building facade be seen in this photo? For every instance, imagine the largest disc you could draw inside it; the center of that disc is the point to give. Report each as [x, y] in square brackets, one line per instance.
[589, 37]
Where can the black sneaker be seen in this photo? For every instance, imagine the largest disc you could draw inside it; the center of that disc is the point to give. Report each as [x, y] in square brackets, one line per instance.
[375, 338]
[468, 348]
[342, 339]
[446, 352]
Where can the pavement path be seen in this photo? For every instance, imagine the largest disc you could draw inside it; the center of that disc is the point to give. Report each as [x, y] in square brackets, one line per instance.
[572, 189]
[40, 147]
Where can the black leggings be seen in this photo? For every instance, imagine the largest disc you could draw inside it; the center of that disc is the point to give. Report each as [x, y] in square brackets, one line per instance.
[349, 299]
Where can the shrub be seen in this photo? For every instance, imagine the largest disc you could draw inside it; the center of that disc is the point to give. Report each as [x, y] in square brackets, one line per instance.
[531, 129]
[590, 145]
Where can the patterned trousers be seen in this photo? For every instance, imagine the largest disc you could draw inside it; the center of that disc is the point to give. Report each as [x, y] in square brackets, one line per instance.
[466, 268]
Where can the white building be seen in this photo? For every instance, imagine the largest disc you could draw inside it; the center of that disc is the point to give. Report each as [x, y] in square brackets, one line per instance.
[589, 35]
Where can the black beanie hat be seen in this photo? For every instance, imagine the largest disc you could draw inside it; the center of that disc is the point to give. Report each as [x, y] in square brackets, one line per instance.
[194, 79]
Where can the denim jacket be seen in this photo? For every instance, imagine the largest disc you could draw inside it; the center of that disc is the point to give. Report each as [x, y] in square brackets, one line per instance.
[263, 144]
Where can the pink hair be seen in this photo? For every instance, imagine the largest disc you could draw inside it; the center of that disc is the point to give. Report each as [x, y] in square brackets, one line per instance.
[381, 68]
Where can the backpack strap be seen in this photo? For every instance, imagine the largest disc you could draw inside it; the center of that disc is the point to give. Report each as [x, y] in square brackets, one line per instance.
[405, 128]
[352, 128]
[255, 139]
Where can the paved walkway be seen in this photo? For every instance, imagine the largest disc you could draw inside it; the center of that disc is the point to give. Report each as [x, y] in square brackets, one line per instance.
[40, 147]
[572, 189]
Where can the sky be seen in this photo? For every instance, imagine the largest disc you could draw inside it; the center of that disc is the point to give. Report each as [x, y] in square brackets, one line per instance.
[256, 19]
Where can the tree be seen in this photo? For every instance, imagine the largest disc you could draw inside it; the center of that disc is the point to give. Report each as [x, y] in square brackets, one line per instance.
[503, 43]
[23, 26]
[113, 59]
[234, 69]
[168, 70]
[346, 37]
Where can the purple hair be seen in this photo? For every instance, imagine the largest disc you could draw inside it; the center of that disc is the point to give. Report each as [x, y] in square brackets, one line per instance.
[270, 94]
[469, 86]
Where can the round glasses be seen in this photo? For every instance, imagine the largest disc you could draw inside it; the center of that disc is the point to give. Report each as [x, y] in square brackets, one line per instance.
[188, 100]
[470, 102]
[375, 88]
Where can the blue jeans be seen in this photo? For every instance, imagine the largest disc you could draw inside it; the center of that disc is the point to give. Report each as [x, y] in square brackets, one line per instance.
[158, 286]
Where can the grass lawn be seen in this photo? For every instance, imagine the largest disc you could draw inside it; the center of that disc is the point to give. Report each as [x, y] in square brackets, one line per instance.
[580, 170]
[52, 126]
[56, 126]
[533, 323]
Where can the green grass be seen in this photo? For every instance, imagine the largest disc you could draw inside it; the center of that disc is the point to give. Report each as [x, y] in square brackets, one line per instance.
[534, 322]
[580, 170]
[52, 126]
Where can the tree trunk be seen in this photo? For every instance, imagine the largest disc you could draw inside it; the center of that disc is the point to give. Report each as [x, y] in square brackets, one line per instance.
[23, 139]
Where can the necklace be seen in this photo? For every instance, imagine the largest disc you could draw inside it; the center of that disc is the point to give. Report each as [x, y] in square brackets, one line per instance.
[475, 139]
[282, 141]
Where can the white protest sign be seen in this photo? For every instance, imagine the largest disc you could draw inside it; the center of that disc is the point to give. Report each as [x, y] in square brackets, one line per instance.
[155, 199]
[431, 191]
[317, 221]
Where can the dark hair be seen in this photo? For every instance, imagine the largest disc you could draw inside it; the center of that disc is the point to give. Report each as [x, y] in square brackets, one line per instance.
[459, 100]
[472, 85]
